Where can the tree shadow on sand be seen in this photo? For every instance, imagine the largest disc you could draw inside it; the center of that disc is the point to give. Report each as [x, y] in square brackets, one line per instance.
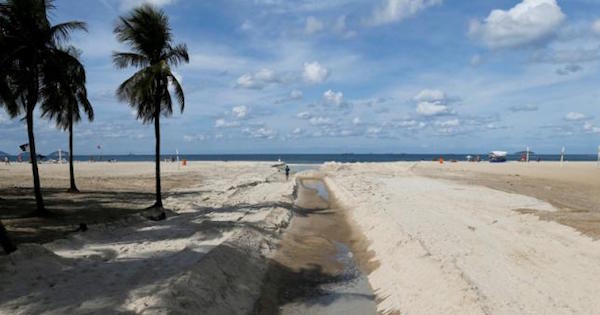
[226, 279]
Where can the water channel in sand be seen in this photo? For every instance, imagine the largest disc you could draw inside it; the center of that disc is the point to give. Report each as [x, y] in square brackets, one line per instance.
[315, 271]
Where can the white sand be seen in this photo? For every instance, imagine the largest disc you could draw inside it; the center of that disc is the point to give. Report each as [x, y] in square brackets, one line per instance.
[449, 248]
[206, 259]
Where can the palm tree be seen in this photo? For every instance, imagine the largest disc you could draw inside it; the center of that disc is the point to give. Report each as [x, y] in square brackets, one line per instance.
[63, 99]
[28, 43]
[147, 32]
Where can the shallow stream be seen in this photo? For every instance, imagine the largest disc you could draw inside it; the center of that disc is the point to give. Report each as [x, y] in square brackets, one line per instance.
[315, 271]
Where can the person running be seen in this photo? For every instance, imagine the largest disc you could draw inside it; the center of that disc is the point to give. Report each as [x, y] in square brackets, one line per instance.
[6, 160]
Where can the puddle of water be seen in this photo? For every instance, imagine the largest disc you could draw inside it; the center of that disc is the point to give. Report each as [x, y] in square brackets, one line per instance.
[318, 185]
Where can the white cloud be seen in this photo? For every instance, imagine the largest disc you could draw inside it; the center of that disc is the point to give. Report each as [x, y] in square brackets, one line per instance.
[304, 115]
[296, 95]
[297, 131]
[335, 98]
[432, 103]
[428, 95]
[222, 123]
[240, 111]
[588, 127]
[192, 138]
[315, 73]
[257, 80]
[313, 25]
[448, 123]
[525, 23]
[397, 10]
[260, 133]
[129, 4]
[320, 121]
[356, 121]
[432, 109]
[596, 27]
[575, 116]
[373, 131]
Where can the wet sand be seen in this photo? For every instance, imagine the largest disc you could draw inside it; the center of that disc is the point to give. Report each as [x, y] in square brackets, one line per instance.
[315, 269]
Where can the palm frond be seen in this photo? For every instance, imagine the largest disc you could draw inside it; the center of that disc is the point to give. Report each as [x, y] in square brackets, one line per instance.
[178, 92]
[129, 59]
[62, 32]
[178, 54]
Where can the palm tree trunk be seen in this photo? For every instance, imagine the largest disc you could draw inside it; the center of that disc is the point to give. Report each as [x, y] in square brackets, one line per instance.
[41, 210]
[158, 203]
[73, 187]
[5, 241]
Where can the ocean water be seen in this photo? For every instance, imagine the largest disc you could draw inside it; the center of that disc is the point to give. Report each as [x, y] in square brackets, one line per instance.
[321, 158]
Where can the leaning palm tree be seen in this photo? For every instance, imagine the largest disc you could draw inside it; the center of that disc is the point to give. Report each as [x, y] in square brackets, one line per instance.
[28, 42]
[146, 30]
[63, 99]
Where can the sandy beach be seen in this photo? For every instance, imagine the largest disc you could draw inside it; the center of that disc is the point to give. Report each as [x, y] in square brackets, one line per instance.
[425, 238]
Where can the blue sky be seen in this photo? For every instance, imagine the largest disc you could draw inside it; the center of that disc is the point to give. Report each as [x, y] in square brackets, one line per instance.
[382, 76]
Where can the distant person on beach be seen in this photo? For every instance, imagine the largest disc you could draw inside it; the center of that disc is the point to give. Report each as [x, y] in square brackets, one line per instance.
[287, 172]
[6, 160]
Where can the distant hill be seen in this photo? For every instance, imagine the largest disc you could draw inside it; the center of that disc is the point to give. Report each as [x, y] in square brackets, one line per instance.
[2, 153]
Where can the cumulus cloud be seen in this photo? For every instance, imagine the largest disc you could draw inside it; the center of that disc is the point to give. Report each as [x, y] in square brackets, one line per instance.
[240, 112]
[523, 108]
[428, 95]
[258, 80]
[222, 123]
[356, 121]
[448, 123]
[528, 22]
[296, 95]
[313, 25]
[320, 121]
[260, 133]
[334, 98]
[391, 11]
[432, 103]
[432, 109]
[575, 116]
[315, 73]
[589, 127]
[568, 69]
[304, 115]
[373, 131]
[297, 131]
[193, 138]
